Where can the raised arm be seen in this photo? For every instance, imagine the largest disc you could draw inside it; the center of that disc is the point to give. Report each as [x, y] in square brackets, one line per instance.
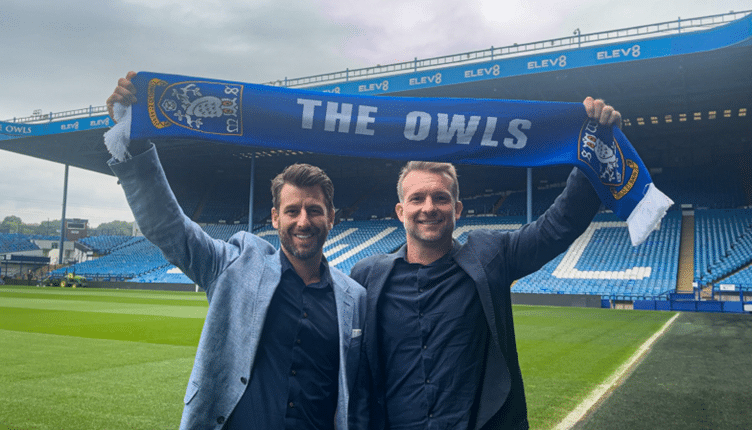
[551, 234]
[125, 94]
[605, 114]
[157, 212]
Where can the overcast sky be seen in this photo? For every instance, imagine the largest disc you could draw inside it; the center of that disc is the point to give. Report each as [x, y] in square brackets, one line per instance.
[65, 55]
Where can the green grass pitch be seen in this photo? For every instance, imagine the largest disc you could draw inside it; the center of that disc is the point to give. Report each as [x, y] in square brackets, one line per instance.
[120, 359]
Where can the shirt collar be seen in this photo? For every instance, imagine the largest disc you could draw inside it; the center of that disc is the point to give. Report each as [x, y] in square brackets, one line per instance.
[402, 252]
[324, 275]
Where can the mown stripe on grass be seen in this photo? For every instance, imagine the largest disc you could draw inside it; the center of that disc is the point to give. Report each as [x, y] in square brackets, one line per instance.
[601, 390]
[61, 382]
[111, 298]
[163, 308]
[103, 292]
[566, 352]
[156, 329]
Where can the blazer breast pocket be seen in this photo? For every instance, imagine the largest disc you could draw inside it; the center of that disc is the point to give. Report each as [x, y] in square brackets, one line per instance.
[190, 392]
[353, 354]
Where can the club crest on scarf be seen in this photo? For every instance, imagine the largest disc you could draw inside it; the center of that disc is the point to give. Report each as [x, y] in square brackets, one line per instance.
[205, 107]
[598, 149]
[602, 155]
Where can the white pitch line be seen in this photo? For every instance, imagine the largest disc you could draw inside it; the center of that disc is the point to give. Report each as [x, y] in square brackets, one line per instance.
[600, 392]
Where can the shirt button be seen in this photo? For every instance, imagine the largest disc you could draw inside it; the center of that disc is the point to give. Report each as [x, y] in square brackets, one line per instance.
[428, 381]
[305, 314]
[243, 380]
[294, 373]
[291, 404]
[425, 346]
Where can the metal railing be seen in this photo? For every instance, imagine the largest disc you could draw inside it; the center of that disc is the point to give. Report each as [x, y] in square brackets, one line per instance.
[68, 114]
[576, 40]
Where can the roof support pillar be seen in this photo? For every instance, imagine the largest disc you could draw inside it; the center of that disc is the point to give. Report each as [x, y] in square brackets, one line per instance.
[62, 220]
[529, 194]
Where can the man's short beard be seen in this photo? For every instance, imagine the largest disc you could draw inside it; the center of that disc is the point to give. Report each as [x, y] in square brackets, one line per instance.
[287, 242]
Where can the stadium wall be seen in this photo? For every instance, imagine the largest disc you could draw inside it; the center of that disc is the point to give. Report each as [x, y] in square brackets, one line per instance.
[564, 300]
[568, 300]
[144, 286]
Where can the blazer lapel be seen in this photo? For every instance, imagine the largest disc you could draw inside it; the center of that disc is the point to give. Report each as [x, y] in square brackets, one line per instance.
[345, 303]
[374, 283]
[264, 289]
[496, 383]
[469, 262]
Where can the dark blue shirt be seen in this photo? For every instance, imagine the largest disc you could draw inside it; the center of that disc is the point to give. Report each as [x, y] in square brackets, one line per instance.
[432, 337]
[293, 382]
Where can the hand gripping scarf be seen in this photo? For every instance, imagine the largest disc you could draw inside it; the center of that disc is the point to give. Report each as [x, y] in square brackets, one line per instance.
[460, 131]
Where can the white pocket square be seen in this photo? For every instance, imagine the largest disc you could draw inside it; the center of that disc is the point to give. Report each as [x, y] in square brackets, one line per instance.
[356, 332]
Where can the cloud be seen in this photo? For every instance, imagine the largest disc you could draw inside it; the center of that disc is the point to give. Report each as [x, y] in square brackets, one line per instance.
[32, 189]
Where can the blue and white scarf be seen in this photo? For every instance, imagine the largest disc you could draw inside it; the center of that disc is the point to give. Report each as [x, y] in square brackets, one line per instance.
[460, 131]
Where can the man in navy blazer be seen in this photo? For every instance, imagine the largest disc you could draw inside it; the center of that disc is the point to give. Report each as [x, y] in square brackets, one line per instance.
[439, 348]
[281, 340]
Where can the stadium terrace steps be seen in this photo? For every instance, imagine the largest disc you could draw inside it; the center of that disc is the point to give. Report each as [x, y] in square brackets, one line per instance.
[686, 255]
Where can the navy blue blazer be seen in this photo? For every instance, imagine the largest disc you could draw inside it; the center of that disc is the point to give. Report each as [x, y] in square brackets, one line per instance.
[493, 259]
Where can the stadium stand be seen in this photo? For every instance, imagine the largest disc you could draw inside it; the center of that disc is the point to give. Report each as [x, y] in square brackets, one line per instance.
[224, 231]
[602, 262]
[720, 190]
[742, 279]
[481, 205]
[138, 260]
[377, 203]
[133, 258]
[228, 205]
[516, 203]
[15, 242]
[722, 242]
[163, 275]
[351, 241]
[102, 245]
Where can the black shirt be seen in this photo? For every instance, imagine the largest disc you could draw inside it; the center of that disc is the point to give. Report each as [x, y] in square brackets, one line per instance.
[294, 378]
[432, 337]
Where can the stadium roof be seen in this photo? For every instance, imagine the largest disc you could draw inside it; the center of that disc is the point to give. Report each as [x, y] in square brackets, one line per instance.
[683, 88]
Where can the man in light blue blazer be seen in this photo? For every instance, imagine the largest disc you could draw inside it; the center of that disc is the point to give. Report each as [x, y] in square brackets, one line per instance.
[281, 341]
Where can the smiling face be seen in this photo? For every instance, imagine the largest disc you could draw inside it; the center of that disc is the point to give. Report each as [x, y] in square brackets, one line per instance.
[303, 221]
[428, 210]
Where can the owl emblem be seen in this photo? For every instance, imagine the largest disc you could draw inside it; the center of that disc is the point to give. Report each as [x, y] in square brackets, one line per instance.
[203, 106]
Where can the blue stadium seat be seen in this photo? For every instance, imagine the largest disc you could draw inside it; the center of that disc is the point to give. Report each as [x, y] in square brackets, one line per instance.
[603, 262]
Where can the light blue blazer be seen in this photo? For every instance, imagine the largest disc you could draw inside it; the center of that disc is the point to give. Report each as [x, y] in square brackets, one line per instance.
[240, 277]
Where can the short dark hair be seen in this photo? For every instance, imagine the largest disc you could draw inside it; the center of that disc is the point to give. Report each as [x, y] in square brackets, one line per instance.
[445, 169]
[303, 175]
